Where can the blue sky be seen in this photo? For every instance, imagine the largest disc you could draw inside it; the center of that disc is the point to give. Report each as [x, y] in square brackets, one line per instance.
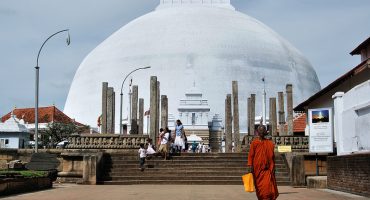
[325, 31]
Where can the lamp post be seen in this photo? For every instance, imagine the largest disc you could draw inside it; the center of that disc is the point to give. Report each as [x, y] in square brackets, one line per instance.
[37, 84]
[120, 109]
[264, 103]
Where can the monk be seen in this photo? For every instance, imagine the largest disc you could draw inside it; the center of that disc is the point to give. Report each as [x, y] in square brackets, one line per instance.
[261, 160]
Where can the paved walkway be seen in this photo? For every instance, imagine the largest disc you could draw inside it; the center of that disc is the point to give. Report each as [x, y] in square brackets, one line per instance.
[177, 192]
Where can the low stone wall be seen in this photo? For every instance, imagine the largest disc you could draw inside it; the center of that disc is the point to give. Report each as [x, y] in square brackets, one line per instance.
[106, 141]
[350, 173]
[76, 165]
[21, 185]
[298, 143]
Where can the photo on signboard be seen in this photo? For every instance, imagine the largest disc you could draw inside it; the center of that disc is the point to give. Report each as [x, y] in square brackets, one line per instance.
[320, 116]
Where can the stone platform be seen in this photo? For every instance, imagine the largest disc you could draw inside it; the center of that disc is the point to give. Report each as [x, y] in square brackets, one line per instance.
[317, 182]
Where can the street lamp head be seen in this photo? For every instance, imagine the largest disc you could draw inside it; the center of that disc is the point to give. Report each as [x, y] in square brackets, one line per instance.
[68, 38]
[147, 67]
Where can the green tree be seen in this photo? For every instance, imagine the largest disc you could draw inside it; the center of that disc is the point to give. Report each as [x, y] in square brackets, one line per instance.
[56, 132]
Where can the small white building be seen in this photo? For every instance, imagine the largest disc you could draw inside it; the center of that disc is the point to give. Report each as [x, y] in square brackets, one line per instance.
[194, 113]
[14, 134]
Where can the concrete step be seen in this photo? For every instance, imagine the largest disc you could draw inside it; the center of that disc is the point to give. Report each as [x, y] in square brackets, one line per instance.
[190, 156]
[183, 154]
[148, 172]
[189, 168]
[183, 182]
[189, 162]
[181, 158]
[225, 178]
[195, 168]
[176, 166]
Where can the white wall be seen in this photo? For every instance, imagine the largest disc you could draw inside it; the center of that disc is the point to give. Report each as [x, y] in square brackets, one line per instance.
[13, 142]
[15, 139]
[353, 129]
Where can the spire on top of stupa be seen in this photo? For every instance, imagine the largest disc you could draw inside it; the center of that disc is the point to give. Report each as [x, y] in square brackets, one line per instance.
[187, 3]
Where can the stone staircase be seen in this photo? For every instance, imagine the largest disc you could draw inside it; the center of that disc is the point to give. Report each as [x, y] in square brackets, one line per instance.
[187, 169]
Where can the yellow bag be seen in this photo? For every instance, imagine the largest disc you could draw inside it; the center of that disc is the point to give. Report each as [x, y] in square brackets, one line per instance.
[248, 182]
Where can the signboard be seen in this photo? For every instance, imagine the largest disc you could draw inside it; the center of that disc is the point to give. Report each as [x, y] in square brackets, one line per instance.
[284, 149]
[321, 130]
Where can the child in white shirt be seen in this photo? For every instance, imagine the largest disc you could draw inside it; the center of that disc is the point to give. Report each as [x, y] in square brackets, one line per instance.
[142, 154]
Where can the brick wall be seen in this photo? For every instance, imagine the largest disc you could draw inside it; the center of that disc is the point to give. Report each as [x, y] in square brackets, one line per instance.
[350, 173]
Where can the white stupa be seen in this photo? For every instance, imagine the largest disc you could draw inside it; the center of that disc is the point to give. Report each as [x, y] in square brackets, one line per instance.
[191, 40]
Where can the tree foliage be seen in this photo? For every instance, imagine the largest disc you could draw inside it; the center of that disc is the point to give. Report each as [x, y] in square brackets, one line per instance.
[56, 132]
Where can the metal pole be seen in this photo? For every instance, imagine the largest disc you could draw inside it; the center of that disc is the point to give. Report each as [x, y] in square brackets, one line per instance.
[36, 108]
[37, 85]
[264, 103]
[147, 125]
[120, 115]
[120, 121]
[129, 110]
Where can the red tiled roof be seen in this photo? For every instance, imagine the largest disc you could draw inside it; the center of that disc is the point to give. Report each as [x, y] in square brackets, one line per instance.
[299, 123]
[46, 115]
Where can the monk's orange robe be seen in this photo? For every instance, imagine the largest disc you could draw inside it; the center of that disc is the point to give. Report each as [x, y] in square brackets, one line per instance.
[262, 158]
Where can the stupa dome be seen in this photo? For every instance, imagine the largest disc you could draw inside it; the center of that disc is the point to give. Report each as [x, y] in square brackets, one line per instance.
[202, 41]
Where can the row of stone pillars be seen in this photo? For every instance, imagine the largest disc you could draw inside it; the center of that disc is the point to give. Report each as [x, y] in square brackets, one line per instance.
[158, 109]
[137, 109]
[232, 120]
[108, 109]
[137, 106]
[232, 132]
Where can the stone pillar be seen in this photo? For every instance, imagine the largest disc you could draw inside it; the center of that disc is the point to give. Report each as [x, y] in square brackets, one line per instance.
[153, 107]
[113, 111]
[164, 111]
[289, 97]
[91, 167]
[236, 116]
[109, 109]
[228, 125]
[134, 102]
[104, 108]
[273, 120]
[298, 171]
[157, 122]
[253, 113]
[141, 116]
[281, 114]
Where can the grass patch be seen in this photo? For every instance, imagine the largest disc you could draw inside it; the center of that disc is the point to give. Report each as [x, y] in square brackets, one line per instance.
[25, 173]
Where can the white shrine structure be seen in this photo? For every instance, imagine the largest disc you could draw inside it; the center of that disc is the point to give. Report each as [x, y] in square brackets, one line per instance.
[194, 113]
[14, 133]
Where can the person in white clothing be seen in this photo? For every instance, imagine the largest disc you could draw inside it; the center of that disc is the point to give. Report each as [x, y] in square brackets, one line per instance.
[150, 150]
[179, 140]
[199, 148]
[203, 148]
[163, 148]
[142, 155]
